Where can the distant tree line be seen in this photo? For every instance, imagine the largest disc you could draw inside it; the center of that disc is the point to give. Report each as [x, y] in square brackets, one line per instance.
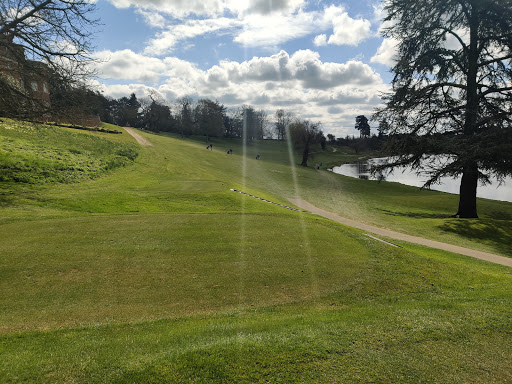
[185, 116]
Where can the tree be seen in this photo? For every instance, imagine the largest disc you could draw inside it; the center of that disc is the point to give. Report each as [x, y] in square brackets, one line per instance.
[331, 138]
[261, 125]
[452, 92]
[42, 38]
[156, 116]
[282, 120]
[362, 126]
[250, 121]
[303, 134]
[233, 123]
[128, 112]
[383, 128]
[209, 116]
[185, 117]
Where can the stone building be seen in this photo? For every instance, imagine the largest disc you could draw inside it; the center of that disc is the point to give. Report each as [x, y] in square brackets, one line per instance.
[27, 76]
[31, 79]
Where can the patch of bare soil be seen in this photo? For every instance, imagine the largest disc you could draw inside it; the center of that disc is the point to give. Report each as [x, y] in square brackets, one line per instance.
[141, 140]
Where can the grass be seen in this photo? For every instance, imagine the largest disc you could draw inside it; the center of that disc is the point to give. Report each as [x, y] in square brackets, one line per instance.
[155, 272]
[31, 153]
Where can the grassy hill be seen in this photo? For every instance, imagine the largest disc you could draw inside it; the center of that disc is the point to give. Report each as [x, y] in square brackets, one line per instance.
[152, 270]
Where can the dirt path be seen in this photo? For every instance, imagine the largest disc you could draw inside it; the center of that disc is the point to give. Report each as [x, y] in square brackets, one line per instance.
[141, 140]
[400, 236]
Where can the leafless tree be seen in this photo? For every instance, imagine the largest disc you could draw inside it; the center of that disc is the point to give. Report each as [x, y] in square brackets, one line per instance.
[282, 120]
[47, 39]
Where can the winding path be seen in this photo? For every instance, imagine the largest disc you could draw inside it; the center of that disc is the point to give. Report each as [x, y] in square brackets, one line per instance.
[400, 236]
[141, 140]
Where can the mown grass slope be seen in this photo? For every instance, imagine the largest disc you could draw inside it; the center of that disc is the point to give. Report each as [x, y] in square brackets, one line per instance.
[156, 272]
[33, 153]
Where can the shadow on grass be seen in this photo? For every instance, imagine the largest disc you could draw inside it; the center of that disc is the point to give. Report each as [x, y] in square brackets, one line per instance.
[496, 233]
[499, 215]
[495, 229]
[414, 215]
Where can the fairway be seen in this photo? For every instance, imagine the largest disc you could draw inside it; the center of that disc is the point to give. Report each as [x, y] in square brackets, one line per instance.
[152, 270]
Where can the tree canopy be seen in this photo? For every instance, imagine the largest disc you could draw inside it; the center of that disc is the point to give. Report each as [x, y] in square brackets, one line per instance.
[451, 93]
[362, 126]
[304, 133]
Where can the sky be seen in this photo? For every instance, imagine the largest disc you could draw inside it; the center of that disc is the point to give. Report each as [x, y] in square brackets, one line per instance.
[323, 61]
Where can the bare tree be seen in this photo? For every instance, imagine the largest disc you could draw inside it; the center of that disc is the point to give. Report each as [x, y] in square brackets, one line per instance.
[185, 115]
[282, 120]
[39, 40]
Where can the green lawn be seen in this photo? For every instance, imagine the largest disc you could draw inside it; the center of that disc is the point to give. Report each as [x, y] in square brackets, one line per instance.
[153, 271]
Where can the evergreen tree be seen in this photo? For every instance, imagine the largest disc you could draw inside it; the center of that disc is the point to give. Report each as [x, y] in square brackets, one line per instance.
[452, 91]
[362, 126]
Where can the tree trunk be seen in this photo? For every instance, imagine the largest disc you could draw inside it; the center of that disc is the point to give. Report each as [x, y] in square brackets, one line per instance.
[469, 181]
[305, 155]
[467, 193]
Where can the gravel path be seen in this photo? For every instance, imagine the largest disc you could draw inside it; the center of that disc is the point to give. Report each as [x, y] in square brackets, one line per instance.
[400, 236]
[141, 140]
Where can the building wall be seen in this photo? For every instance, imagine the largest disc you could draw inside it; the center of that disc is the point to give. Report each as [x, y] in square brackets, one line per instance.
[20, 73]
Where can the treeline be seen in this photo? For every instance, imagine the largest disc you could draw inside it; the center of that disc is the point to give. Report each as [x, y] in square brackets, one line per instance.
[366, 141]
[185, 117]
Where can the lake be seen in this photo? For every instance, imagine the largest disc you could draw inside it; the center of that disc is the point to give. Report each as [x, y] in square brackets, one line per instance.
[405, 176]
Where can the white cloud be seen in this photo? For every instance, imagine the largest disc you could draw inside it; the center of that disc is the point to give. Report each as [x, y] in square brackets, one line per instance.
[276, 29]
[387, 53]
[153, 19]
[165, 41]
[123, 90]
[318, 75]
[263, 7]
[348, 31]
[320, 40]
[301, 82]
[256, 23]
[212, 8]
[127, 64]
[175, 8]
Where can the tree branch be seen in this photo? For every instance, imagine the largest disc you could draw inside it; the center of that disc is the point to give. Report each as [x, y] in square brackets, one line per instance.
[10, 26]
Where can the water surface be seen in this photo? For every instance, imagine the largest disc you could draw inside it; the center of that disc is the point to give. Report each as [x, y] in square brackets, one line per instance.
[405, 176]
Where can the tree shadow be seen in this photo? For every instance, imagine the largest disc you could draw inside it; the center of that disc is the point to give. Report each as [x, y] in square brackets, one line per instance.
[494, 229]
[499, 215]
[496, 233]
[414, 215]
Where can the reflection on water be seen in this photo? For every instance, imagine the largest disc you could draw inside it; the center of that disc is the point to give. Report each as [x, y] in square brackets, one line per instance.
[361, 170]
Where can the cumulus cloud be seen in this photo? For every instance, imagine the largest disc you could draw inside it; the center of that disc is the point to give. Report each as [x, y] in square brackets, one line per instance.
[165, 41]
[176, 8]
[346, 30]
[264, 7]
[387, 53]
[126, 64]
[122, 90]
[318, 75]
[258, 23]
[276, 29]
[301, 82]
[320, 40]
[184, 8]
[303, 70]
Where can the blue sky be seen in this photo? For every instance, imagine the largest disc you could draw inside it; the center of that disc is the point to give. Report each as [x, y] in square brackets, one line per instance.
[324, 61]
